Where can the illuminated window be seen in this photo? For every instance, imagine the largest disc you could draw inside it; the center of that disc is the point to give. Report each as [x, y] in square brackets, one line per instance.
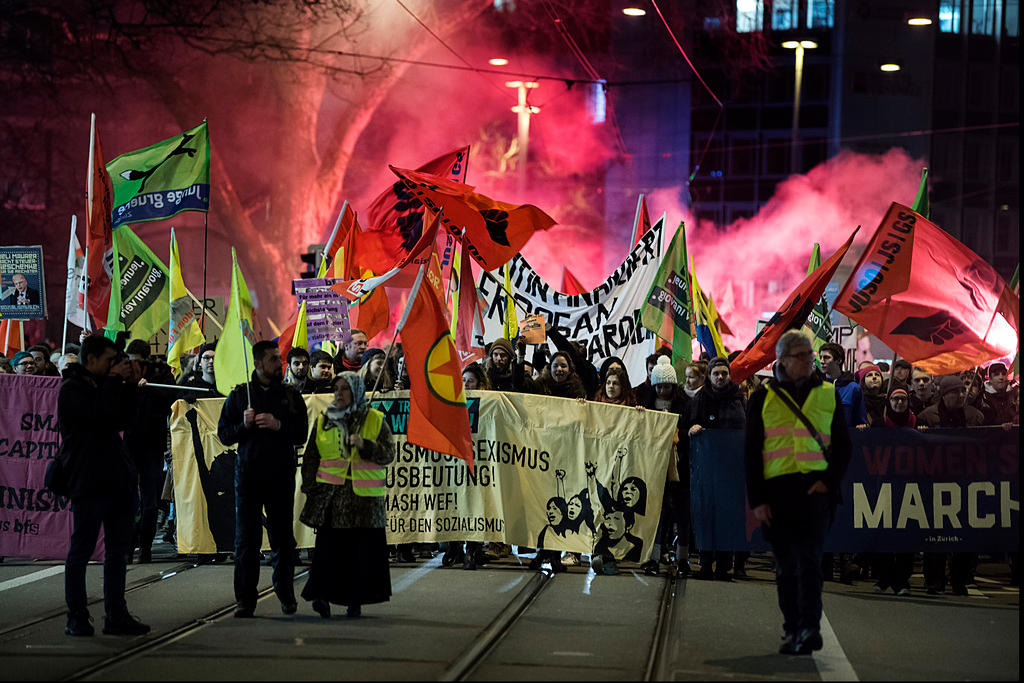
[983, 17]
[820, 13]
[1011, 19]
[785, 14]
[949, 16]
[749, 15]
[596, 102]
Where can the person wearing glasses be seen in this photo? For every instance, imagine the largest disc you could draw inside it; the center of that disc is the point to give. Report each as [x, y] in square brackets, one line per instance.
[203, 378]
[796, 450]
[24, 364]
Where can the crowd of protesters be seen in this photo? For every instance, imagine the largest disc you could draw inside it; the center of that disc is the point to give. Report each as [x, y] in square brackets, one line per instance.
[350, 447]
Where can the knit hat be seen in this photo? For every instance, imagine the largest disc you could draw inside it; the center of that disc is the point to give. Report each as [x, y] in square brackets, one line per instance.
[862, 373]
[996, 367]
[898, 390]
[949, 384]
[19, 356]
[663, 372]
[368, 355]
[503, 344]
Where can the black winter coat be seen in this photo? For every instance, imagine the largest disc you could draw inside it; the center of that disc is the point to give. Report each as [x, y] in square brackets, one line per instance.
[718, 408]
[91, 413]
[264, 447]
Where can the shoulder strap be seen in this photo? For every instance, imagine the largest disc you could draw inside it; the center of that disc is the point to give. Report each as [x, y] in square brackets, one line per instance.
[791, 404]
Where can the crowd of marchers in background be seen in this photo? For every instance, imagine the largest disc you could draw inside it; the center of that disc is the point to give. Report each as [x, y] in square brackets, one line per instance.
[114, 420]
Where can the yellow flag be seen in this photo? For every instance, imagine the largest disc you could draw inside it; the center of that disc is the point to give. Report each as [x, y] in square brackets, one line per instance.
[299, 338]
[511, 327]
[233, 360]
[183, 331]
[704, 320]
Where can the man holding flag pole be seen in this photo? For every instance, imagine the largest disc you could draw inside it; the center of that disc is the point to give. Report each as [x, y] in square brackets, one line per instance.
[267, 419]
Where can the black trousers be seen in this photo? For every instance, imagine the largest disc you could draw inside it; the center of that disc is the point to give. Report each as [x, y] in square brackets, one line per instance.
[116, 515]
[797, 543]
[935, 569]
[894, 570]
[151, 485]
[258, 488]
[675, 509]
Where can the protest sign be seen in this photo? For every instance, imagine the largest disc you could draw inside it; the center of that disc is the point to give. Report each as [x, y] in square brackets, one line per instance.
[548, 472]
[607, 318]
[532, 329]
[940, 490]
[326, 310]
[22, 284]
[33, 521]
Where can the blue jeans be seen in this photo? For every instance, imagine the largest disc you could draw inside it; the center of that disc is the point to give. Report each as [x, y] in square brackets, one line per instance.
[116, 514]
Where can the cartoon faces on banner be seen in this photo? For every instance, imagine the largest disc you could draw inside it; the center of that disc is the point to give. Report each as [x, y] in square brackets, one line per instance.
[548, 472]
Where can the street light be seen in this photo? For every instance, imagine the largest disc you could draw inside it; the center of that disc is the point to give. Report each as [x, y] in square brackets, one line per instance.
[524, 111]
[890, 67]
[497, 61]
[799, 46]
[919, 21]
[634, 12]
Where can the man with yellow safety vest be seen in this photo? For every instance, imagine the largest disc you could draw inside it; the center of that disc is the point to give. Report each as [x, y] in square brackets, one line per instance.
[267, 419]
[797, 449]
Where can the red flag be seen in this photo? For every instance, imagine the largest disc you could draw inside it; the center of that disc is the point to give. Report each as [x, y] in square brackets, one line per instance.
[642, 222]
[396, 274]
[284, 340]
[99, 236]
[346, 225]
[792, 315]
[438, 418]
[10, 337]
[570, 285]
[492, 232]
[396, 216]
[929, 298]
[471, 315]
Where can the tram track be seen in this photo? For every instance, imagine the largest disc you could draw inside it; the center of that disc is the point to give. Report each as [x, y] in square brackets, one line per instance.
[133, 586]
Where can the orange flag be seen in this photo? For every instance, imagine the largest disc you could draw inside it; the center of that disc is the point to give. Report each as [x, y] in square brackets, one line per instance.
[438, 418]
[396, 216]
[929, 298]
[10, 336]
[99, 235]
[492, 232]
[791, 315]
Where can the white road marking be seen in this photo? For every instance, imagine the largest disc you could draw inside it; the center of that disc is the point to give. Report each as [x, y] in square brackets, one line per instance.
[34, 576]
[573, 654]
[591, 575]
[416, 574]
[831, 660]
[510, 585]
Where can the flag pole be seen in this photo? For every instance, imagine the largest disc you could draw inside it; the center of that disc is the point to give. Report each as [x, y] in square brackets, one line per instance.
[86, 302]
[405, 316]
[21, 333]
[7, 337]
[241, 328]
[71, 258]
[636, 220]
[334, 232]
[206, 235]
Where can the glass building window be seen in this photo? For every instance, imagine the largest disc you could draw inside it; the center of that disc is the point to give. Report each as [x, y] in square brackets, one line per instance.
[820, 13]
[949, 16]
[1011, 25]
[983, 17]
[749, 15]
[785, 14]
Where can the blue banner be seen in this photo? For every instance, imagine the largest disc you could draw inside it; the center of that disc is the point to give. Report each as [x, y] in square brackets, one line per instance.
[937, 490]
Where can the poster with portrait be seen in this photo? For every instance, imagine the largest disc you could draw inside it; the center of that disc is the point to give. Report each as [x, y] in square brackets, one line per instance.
[22, 285]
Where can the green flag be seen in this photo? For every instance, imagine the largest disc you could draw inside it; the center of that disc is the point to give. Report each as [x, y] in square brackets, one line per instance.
[921, 203]
[818, 325]
[140, 297]
[668, 310]
[162, 180]
[232, 361]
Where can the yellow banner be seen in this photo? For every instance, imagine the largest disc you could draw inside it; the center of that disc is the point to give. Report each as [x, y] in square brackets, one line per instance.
[549, 472]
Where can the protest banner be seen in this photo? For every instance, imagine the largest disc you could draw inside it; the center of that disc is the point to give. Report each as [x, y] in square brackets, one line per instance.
[326, 310]
[940, 490]
[607, 318]
[33, 521]
[22, 284]
[548, 472]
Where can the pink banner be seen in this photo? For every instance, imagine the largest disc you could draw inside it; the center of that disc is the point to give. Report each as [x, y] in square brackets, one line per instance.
[33, 521]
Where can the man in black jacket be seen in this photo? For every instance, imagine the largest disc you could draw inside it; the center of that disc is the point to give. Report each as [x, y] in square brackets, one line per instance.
[267, 419]
[719, 405]
[94, 405]
[792, 486]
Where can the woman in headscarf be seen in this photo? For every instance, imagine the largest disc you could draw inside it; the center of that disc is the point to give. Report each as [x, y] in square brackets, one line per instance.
[343, 473]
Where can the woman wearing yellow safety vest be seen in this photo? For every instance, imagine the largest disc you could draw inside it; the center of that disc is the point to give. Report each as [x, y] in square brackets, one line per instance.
[343, 473]
[796, 450]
